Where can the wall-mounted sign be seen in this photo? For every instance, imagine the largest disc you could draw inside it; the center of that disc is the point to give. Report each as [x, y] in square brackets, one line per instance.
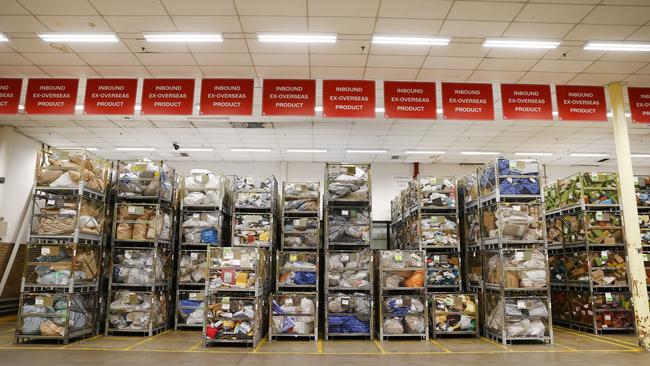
[168, 96]
[51, 96]
[110, 96]
[407, 99]
[467, 101]
[227, 97]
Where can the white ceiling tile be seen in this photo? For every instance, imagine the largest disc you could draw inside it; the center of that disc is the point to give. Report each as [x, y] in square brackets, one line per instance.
[129, 7]
[203, 7]
[625, 56]
[337, 72]
[20, 23]
[252, 24]
[595, 79]
[357, 8]
[553, 13]
[70, 71]
[166, 59]
[33, 45]
[481, 10]
[419, 27]
[341, 46]
[513, 53]
[606, 67]
[506, 64]
[229, 45]
[83, 47]
[140, 45]
[230, 59]
[139, 24]
[547, 77]
[280, 59]
[387, 73]
[122, 71]
[561, 66]
[460, 28]
[443, 75]
[537, 30]
[13, 59]
[494, 76]
[11, 7]
[341, 25]
[59, 7]
[585, 32]
[414, 9]
[282, 72]
[620, 15]
[175, 71]
[21, 71]
[261, 47]
[224, 24]
[395, 61]
[54, 58]
[460, 49]
[68, 23]
[469, 63]
[107, 59]
[338, 60]
[642, 34]
[573, 53]
[276, 7]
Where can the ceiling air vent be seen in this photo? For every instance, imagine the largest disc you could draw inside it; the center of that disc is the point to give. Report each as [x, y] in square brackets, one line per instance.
[247, 125]
[395, 157]
[602, 160]
[471, 164]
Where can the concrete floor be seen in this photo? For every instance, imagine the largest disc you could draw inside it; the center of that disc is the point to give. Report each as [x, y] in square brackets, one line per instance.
[184, 348]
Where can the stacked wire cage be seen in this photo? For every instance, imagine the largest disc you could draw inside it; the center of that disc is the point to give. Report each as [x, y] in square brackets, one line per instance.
[294, 304]
[587, 254]
[348, 285]
[60, 285]
[205, 210]
[516, 288]
[142, 251]
[642, 187]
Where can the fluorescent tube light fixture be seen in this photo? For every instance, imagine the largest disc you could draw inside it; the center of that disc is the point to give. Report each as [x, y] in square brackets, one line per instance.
[640, 155]
[306, 150]
[297, 37]
[424, 152]
[183, 37]
[249, 150]
[3, 38]
[479, 153]
[78, 148]
[366, 151]
[590, 155]
[407, 40]
[533, 154]
[78, 37]
[197, 149]
[520, 43]
[617, 46]
[135, 148]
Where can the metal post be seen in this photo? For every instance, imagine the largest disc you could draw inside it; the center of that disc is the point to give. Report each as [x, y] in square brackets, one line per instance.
[635, 264]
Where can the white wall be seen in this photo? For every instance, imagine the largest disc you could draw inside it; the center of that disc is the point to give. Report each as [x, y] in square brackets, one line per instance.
[19, 157]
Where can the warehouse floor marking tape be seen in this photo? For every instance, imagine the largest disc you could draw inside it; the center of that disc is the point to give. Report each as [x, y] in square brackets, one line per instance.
[495, 343]
[599, 336]
[595, 338]
[440, 345]
[200, 343]
[262, 342]
[88, 339]
[381, 349]
[146, 340]
[320, 346]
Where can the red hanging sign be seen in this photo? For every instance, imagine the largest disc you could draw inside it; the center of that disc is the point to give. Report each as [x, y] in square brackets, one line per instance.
[288, 97]
[467, 101]
[227, 97]
[110, 96]
[168, 96]
[639, 104]
[10, 95]
[526, 101]
[407, 99]
[51, 96]
[581, 103]
[349, 98]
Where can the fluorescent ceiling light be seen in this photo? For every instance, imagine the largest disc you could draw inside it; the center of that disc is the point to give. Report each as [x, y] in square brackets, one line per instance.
[297, 37]
[533, 154]
[520, 43]
[318, 109]
[366, 151]
[306, 150]
[479, 153]
[403, 40]
[640, 155]
[183, 37]
[249, 150]
[617, 46]
[593, 155]
[135, 148]
[3, 38]
[195, 149]
[427, 152]
[78, 148]
[78, 37]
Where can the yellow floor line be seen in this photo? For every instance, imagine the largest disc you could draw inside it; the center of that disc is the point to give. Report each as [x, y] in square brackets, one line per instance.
[145, 340]
[571, 331]
[88, 339]
[496, 344]
[320, 346]
[563, 346]
[200, 343]
[262, 342]
[378, 344]
[595, 338]
[440, 345]
[9, 330]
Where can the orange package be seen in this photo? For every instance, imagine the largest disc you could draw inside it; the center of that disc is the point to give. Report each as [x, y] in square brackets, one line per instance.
[416, 280]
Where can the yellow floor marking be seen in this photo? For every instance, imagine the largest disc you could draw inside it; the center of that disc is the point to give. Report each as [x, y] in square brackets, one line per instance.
[600, 336]
[378, 344]
[320, 346]
[262, 342]
[595, 338]
[146, 340]
[9, 330]
[440, 345]
[200, 343]
[563, 346]
[496, 344]
[83, 340]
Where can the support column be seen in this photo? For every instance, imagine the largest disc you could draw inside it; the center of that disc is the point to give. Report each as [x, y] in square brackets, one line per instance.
[635, 265]
[6, 137]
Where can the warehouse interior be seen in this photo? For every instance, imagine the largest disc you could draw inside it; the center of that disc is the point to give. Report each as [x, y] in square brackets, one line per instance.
[320, 181]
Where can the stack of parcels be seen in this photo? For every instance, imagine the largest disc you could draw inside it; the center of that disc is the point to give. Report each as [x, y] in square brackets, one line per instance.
[551, 197]
[515, 177]
[607, 268]
[61, 264]
[519, 317]
[438, 230]
[558, 268]
[525, 268]
[437, 192]
[400, 271]
[470, 188]
[443, 270]
[472, 227]
[143, 222]
[252, 230]
[454, 313]
[408, 197]
[254, 192]
[411, 233]
[61, 169]
[61, 215]
[137, 310]
[588, 188]
[141, 267]
[348, 183]
[513, 221]
[191, 308]
[555, 231]
[349, 269]
[474, 269]
[301, 233]
[642, 186]
[301, 197]
[203, 188]
[146, 179]
[201, 228]
[293, 314]
[237, 268]
[644, 223]
[232, 318]
[593, 227]
[349, 225]
[349, 313]
[403, 314]
[193, 267]
[608, 310]
[297, 269]
[55, 315]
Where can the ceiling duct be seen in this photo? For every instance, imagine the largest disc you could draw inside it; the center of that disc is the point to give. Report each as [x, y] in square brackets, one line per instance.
[248, 125]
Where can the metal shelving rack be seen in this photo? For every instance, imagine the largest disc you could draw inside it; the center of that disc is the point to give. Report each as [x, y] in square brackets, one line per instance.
[142, 251]
[587, 253]
[205, 211]
[401, 289]
[255, 211]
[348, 310]
[60, 284]
[454, 314]
[643, 205]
